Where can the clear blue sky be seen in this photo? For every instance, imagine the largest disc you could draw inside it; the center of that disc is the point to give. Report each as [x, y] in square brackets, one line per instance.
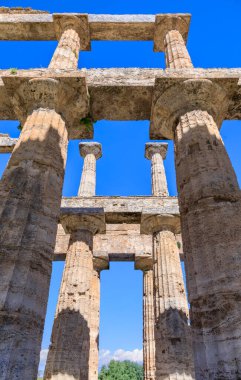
[214, 41]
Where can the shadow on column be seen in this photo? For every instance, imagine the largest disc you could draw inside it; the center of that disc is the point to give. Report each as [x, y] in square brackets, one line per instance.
[68, 356]
[174, 355]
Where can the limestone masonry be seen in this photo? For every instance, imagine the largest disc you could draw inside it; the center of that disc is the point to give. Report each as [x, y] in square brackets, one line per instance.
[38, 225]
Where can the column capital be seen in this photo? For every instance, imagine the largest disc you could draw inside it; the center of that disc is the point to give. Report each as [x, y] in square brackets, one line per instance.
[90, 148]
[196, 94]
[101, 261]
[66, 94]
[91, 219]
[79, 22]
[167, 22]
[144, 261]
[152, 223]
[155, 147]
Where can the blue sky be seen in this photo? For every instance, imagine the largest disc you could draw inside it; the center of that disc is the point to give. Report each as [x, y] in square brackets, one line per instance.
[214, 41]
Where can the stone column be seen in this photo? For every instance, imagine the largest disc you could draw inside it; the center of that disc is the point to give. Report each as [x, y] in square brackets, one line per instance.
[30, 196]
[148, 326]
[73, 352]
[173, 344]
[177, 56]
[209, 199]
[91, 152]
[72, 32]
[156, 152]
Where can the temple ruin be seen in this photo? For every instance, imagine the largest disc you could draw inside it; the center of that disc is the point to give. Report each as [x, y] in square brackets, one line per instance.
[38, 225]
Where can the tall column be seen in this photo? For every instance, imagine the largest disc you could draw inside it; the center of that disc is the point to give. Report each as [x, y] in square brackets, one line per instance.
[91, 152]
[73, 34]
[30, 196]
[156, 152]
[148, 326]
[209, 199]
[73, 353]
[177, 56]
[173, 343]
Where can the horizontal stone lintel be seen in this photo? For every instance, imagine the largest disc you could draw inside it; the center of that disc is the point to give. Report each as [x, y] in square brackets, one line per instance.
[101, 27]
[7, 143]
[125, 94]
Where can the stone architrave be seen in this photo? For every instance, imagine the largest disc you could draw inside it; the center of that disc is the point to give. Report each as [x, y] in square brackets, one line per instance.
[7, 143]
[156, 152]
[73, 353]
[173, 343]
[209, 199]
[91, 152]
[30, 197]
[73, 34]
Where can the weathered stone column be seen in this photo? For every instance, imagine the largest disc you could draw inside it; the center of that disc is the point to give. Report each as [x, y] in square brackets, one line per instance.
[170, 36]
[91, 152]
[73, 352]
[156, 152]
[148, 326]
[30, 196]
[209, 199]
[173, 344]
[73, 35]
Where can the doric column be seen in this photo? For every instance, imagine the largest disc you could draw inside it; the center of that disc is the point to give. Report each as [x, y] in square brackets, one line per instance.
[30, 196]
[148, 326]
[72, 32]
[91, 152]
[156, 152]
[173, 343]
[177, 56]
[170, 36]
[209, 199]
[73, 352]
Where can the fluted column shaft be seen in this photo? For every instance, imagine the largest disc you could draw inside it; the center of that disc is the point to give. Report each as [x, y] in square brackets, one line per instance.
[30, 197]
[159, 182]
[211, 230]
[177, 56]
[69, 352]
[172, 333]
[88, 178]
[66, 54]
[149, 326]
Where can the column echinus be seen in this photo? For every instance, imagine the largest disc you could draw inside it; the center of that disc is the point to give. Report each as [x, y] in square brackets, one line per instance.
[209, 200]
[173, 344]
[73, 34]
[30, 197]
[73, 352]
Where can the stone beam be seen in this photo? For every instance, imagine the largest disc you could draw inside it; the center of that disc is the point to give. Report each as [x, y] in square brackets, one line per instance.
[125, 94]
[41, 26]
[7, 143]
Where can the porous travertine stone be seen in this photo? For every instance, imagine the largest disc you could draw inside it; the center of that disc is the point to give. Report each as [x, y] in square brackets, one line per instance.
[91, 152]
[30, 196]
[148, 326]
[173, 343]
[177, 56]
[209, 199]
[156, 152]
[73, 353]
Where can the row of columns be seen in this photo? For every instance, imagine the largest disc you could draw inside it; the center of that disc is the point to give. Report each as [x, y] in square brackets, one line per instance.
[30, 196]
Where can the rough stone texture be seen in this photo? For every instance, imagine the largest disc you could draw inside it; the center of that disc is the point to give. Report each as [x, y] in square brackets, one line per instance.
[177, 56]
[128, 94]
[174, 358]
[91, 152]
[20, 10]
[101, 27]
[156, 152]
[30, 196]
[7, 143]
[69, 352]
[209, 198]
[148, 326]
[73, 352]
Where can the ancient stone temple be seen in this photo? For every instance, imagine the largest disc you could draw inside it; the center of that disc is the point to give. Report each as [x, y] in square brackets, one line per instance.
[38, 225]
